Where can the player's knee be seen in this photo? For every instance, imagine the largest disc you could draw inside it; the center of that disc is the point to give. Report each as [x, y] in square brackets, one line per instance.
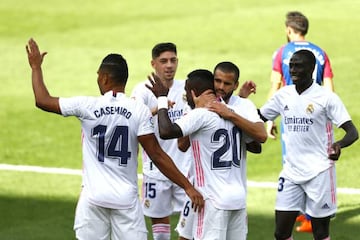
[281, 236]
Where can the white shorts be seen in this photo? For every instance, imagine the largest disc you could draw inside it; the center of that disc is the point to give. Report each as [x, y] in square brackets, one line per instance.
[316, 197]
[98, 223]
[213, 223]
[161, 198]
[185, 224]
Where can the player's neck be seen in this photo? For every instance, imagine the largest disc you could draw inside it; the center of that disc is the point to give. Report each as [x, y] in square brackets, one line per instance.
[297, 38]
[117, 89]
[168, 82]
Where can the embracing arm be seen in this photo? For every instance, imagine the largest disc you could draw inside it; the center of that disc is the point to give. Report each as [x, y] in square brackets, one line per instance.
[43, 100]
[169, 169]
[184, 143]
[167, 129]
[255, 130]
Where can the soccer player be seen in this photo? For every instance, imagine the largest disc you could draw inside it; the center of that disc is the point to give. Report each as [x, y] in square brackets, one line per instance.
[226, 81]
[112, 127]
[217, 145]
[162, 197]
[307, 182]
[297, 26]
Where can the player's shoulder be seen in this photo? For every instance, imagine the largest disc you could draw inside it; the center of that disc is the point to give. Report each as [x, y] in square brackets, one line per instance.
[239, 101]
[141, 85]
[178, 83]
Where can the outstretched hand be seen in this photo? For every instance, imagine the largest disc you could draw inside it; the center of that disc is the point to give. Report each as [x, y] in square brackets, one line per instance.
[157, 87]
[247, 88]
[34, 56]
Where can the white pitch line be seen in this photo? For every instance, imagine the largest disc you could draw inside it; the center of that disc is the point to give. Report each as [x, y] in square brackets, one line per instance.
[68, 171]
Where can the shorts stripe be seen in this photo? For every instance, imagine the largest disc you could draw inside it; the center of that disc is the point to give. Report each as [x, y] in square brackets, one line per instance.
[329, 131]
[333, 191]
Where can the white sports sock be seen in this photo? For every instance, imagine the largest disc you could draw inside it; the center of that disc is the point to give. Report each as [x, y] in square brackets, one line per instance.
[161, 231]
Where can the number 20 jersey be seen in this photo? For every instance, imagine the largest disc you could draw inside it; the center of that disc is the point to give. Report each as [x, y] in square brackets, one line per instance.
[216, 152]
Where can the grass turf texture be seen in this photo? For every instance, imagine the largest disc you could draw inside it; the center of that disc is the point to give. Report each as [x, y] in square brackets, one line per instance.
[78, 34]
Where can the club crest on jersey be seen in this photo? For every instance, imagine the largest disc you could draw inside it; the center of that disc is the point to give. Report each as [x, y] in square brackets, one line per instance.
[151, 120]
[183, 222]
[147, 203]
[310, 109]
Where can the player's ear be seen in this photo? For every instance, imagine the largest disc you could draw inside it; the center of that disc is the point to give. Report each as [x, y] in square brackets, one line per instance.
[236, 85]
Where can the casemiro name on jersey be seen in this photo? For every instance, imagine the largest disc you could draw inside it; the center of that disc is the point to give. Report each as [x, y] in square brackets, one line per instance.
[110, 110]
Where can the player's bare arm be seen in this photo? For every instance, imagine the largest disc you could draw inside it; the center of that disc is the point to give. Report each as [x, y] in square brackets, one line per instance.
[255, 130]
[184, 143]
[351, 135]
[167, 129]
[43, 100]
[271, 128]
[254, 147]
[169, 169]
[203, 99]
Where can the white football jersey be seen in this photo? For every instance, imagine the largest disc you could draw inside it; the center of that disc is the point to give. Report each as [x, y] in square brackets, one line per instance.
[170, 146]
[110, 127]
[246, 109]
[306, 130]
[215, 146]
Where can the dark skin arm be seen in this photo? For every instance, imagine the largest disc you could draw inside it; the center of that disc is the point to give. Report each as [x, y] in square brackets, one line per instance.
[256, 130]
[43, 99]
[254, 147]
[167, 129]
[169, 169]
[351, 135]
[184, 143]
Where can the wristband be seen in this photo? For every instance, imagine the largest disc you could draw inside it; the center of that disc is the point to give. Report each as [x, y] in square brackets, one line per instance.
[162, 102]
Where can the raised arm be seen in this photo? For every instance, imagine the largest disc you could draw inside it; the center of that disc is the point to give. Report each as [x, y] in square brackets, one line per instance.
[167, 129]
[247, 88]
[169, 169]
[43, 100]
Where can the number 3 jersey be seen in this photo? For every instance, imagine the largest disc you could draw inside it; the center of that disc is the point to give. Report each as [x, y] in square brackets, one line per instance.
[218, 147]
[306, 135]
[110, 126]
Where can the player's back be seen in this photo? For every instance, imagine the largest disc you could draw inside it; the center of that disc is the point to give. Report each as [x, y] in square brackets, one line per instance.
[110, 127]
[215, 145]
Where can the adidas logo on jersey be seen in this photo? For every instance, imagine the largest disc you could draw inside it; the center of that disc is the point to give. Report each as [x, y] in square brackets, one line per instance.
[286, 108]
[325, 206]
